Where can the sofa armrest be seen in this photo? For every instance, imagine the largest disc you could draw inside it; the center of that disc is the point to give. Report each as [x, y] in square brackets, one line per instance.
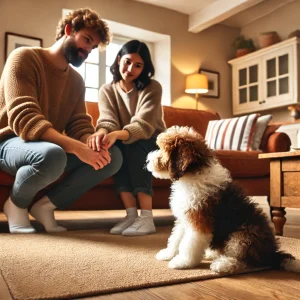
[277, 142]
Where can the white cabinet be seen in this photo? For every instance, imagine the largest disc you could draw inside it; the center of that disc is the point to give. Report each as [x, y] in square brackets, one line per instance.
[266, 78]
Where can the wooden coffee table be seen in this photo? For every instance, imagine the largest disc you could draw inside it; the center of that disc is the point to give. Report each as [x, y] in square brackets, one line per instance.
[284, 185]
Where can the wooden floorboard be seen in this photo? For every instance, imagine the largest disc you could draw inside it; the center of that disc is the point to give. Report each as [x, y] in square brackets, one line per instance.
[260, 285]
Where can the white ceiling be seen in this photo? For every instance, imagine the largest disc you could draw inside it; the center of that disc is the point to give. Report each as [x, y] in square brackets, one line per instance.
[205, 13]
[183, 6]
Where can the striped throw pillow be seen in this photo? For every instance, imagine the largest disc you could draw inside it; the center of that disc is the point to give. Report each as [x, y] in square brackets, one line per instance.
[231, 134]
[260, 128]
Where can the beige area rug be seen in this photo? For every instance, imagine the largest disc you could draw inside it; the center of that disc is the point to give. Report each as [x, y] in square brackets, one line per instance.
[87, 263]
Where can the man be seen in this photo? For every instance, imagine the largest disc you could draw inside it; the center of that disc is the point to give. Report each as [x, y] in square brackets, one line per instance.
[44, 125]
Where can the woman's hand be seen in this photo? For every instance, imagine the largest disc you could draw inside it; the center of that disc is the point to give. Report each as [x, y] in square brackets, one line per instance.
[109, 139]
[95, 141]
[103, 140]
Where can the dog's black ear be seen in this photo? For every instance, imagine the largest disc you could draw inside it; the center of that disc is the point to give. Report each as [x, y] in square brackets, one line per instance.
[188, 156]
[175, 166]
[202, 155]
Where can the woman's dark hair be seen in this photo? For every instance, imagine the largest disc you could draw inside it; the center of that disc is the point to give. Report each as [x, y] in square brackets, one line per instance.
[140, 48]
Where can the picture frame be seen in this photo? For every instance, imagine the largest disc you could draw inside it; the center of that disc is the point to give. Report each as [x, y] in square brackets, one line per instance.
[213, 83]
[14, 40]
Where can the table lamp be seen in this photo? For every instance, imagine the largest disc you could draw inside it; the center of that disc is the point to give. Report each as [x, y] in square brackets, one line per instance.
[196, 84]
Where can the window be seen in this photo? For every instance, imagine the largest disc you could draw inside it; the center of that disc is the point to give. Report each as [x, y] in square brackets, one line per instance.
[110, 54]
[89, 71]
[95, 70]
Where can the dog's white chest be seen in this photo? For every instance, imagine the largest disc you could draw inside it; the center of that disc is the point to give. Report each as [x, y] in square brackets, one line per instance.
[180, 200]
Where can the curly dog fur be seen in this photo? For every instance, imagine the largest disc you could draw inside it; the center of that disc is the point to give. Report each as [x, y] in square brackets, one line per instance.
[214, 218]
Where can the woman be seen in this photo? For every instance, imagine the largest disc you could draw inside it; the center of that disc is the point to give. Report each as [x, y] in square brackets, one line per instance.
[131, 117]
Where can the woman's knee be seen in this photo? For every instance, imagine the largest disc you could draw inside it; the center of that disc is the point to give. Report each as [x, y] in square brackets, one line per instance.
[116, 159]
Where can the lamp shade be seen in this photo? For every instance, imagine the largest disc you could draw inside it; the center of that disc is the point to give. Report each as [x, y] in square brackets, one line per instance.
[196, 84]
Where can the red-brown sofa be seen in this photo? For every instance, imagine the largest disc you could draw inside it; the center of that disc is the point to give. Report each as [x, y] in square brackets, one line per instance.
[245, 167]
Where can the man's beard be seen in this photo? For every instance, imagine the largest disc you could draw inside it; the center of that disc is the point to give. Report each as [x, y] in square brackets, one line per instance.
[71, 53]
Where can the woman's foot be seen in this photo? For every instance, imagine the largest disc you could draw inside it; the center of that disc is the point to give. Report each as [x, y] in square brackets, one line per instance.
[131, 215]
[142, 225]
[18, 219]
[121, 226]
[43, 211]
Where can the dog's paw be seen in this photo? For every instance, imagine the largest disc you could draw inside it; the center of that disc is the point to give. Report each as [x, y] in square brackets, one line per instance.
[165, 254]
[180, 262]
[225, 264]
[211, 254]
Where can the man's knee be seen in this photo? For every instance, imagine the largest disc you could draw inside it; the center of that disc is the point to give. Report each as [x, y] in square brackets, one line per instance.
[52, 161]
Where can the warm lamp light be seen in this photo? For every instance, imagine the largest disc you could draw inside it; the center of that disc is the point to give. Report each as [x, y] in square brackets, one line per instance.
[196, 84]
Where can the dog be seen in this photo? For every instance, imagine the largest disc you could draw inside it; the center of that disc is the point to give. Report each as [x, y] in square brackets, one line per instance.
[214, 220]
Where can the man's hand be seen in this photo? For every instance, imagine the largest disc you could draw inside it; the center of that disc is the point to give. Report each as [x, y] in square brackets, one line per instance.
[85, 137]
[95, 141]
[97, 159]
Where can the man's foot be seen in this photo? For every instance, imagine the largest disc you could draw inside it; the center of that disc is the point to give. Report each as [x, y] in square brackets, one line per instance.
[18, 220]
[125, 223]
[142, 225]
[43, 211]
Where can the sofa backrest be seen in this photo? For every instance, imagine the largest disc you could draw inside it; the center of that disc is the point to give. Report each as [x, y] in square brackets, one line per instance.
[189, 117]
[93, 111]
[173, 116]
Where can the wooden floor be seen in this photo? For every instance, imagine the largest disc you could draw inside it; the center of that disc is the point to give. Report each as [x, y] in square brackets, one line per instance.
[260, 285]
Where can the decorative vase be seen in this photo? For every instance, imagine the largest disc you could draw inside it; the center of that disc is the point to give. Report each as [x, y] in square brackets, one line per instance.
[268, 38]
[294, 33]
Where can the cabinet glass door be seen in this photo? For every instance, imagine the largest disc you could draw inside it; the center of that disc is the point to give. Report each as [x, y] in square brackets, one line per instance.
[283, 72]
[278, 85]
[248, 84]
[278, 75]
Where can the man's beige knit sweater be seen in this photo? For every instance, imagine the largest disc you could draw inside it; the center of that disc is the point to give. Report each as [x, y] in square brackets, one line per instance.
[138, 112]
[35, 95]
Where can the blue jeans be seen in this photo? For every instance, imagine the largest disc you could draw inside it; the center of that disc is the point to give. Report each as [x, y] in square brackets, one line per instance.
[35, 165]
[133, 176]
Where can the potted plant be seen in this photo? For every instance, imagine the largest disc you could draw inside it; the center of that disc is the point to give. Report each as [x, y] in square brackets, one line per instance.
[243, 46]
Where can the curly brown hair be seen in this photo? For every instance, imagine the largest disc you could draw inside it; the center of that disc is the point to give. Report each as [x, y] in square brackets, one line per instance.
[85, 18]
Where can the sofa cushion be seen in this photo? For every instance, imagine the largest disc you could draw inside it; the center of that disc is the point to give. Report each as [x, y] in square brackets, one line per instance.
[232, 134]
[6, 179]
[244, 163]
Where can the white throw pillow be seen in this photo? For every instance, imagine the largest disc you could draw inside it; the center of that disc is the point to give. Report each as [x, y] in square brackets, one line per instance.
[231, 134]
[261, 126]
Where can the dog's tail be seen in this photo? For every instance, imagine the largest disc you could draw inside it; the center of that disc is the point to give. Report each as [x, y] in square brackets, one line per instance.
[286, 261]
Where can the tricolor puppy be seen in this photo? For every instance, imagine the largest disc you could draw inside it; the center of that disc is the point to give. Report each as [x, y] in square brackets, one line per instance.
[214, 218]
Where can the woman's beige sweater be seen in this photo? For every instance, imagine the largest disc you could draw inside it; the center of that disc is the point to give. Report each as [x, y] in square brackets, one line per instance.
[138, 112]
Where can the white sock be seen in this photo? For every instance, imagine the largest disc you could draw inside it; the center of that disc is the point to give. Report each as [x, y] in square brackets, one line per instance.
[131, 212]
[43, 211]
[146, 213]
[18, 219]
